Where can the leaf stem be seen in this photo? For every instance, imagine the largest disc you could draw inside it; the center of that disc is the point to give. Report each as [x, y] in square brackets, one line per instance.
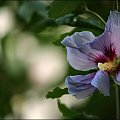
[117, 102]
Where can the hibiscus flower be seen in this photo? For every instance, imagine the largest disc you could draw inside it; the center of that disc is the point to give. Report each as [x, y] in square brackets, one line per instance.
[85, 52]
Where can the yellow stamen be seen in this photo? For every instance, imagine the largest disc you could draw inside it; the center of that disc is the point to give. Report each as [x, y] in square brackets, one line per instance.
[107, 66]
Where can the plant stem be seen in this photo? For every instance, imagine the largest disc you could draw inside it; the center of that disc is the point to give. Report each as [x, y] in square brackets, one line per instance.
[117, 5]
[116, 88]
[96, 15]
[117, 102]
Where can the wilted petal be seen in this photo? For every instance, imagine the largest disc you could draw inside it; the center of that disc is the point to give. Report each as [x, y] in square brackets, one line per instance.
[79, 60]
[101, 81]
[80, 85]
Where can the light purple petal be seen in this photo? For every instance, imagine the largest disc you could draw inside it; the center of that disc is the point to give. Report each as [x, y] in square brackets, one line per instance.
[115, 41]
[113, 21]
[79, 54]
[109, 41]
[101, 82]
[79, 79]
[117, 78]
[80, 85]
[97, 56]
[77, 39]
[79, 60]
[85, 93]
[103, 44]
[113, 25]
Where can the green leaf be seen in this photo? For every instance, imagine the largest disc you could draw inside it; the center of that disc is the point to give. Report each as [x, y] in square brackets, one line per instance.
[60, 8]
[57, 93]
[88, 19]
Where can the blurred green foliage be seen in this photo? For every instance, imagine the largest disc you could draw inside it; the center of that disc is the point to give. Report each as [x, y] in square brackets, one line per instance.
[73, 114]
[42, 19]
[62, 8]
